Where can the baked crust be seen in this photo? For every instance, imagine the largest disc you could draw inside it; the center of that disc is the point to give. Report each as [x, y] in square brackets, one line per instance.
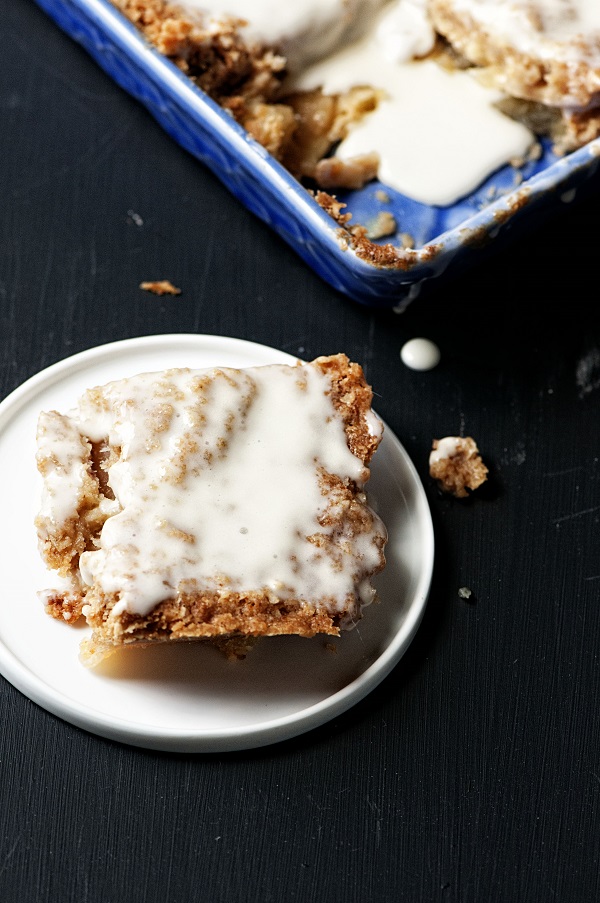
[246, 79]
[554, 94]
[565, 80]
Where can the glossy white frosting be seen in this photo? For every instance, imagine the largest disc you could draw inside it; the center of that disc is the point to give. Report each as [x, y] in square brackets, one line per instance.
[438, 133]
[63, 454]
[218, 485]
[446, 448]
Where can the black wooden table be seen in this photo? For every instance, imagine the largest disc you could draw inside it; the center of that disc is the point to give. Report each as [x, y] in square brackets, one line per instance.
[472, 773]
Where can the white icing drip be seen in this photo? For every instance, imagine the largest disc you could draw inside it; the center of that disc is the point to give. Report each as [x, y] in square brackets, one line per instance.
[446, 448]
[62, 454]
[404, 32]
[437, 132]
[218, 485]
[302, 31]
[374, 425]
[420, 354]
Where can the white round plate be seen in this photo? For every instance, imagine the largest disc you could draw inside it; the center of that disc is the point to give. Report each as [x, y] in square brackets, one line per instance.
[188, 697]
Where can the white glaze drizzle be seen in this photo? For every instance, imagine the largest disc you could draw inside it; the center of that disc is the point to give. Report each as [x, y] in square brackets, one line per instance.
[420, 354]
[559, 29]
[446, 448]
[62, 453]
[218, 486]
[438, 133]
[404, 32]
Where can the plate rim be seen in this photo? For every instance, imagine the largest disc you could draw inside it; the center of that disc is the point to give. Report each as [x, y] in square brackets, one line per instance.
[243, 737]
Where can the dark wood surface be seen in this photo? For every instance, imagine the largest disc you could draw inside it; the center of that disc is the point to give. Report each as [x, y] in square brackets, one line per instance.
[472, 772]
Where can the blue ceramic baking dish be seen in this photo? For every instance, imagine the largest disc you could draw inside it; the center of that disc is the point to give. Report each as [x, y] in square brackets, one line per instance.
[445, 238]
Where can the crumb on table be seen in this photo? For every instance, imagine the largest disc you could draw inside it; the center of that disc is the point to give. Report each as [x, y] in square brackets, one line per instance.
[456, 465]
[160, 287]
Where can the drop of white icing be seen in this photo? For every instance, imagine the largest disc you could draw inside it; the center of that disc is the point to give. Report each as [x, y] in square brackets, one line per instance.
[420, 354]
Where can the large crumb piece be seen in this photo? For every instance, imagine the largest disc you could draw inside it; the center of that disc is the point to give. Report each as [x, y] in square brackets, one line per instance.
[382, 225]
[332, 172]
[220, 505]
[456, 465]
[160, 287]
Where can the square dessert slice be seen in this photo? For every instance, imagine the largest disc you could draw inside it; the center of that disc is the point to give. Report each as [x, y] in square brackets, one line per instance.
[216, 504]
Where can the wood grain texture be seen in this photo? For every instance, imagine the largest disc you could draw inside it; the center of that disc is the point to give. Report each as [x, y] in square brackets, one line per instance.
[472, 773]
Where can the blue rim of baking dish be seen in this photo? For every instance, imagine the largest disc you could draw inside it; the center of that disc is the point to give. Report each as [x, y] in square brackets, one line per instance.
[264, 187]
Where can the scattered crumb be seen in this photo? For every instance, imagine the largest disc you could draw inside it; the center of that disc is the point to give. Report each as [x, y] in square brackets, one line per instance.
[160, 287]
[133, 217]
[456, 465]
[406, 240]
[330, 204]
[234, 648]
[383, 224]
[382, 196]
[464, 592]
[587, 372]
[333, 172]
[535, 152]
[330, 647]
